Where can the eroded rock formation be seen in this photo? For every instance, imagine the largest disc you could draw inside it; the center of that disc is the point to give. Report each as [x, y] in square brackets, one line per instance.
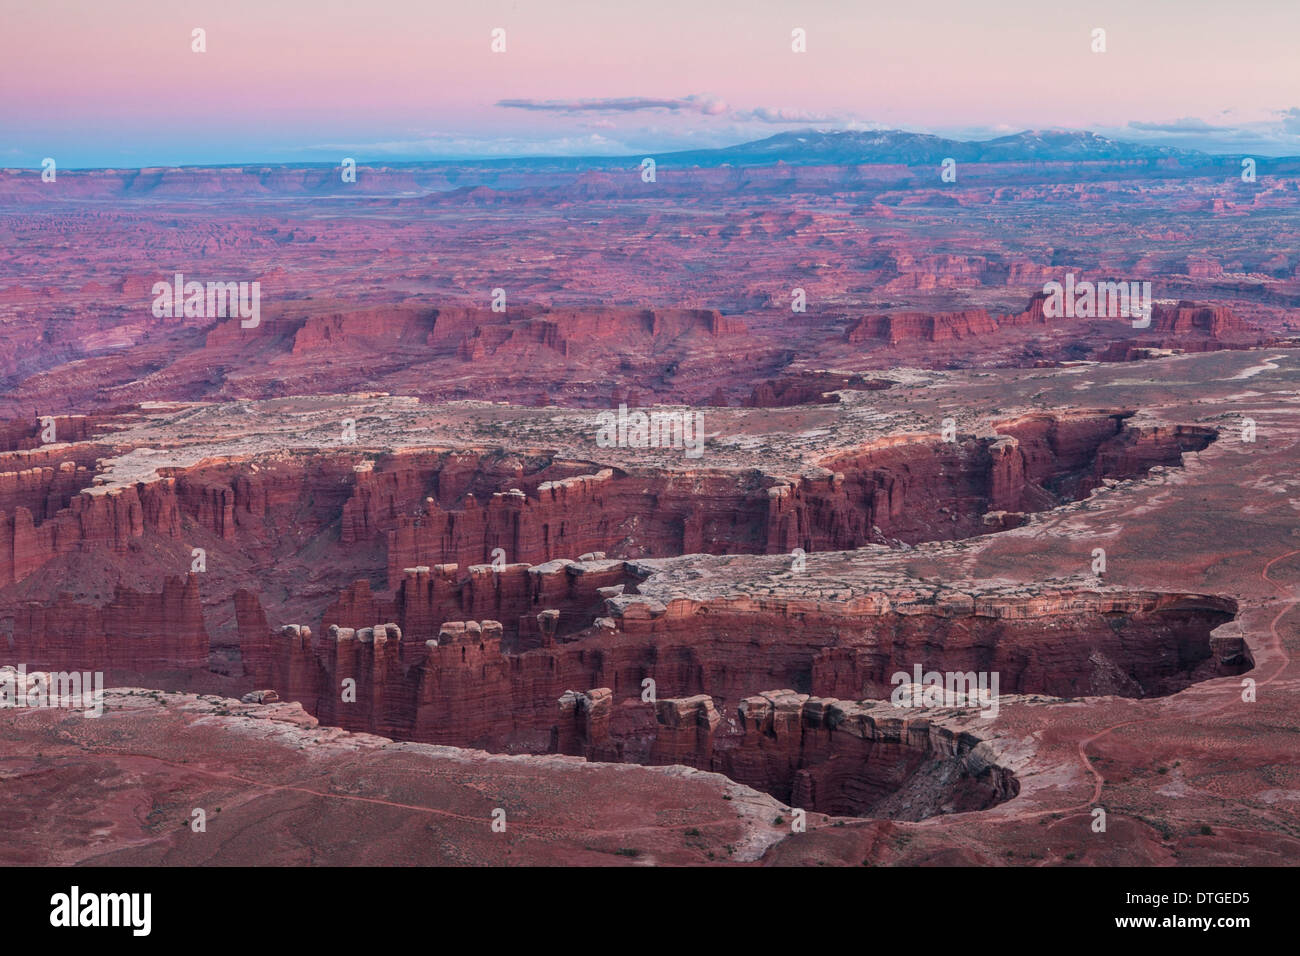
[819, 754]
[134, 631]
[459, 685]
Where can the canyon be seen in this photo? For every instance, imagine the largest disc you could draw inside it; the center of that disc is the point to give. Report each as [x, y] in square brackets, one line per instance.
[437, 638]
[610, 291]
[373, 550]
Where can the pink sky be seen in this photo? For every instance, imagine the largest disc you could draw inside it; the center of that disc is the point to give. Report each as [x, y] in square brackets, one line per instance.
[116, 83]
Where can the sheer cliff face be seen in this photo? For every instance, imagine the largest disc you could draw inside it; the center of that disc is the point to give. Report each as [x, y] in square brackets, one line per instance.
[431, 509]
[590, 356]
[434, 597]
[440, 601]
[138, 632]
[821, 754]
[1189, 323]
[458, 685]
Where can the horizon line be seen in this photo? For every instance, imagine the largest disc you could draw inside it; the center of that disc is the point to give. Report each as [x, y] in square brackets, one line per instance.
[489, 159]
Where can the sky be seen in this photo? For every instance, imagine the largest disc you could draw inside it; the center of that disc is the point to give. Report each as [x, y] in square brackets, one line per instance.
[116, 83]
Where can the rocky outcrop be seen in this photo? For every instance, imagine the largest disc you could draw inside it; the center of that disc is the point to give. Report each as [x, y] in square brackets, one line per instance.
[535, 602]
[620, 513]
[1186, 326]
[432, 508]
[1069, 455]
[391, 326]
[92, 521]
[923, 327]
[475, 535]
[582, 727]
[19, 434]
[819, 754]
[910, 489]
[134, 631]
[44, 481]
[907, 488]
[810, 388]
[461, 686]
[1215, 321]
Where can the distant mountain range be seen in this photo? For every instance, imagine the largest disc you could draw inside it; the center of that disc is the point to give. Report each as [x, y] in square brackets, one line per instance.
[859, 147]
[797, 148]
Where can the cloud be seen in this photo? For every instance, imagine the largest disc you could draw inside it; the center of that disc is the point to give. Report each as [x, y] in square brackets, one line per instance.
[1265, 137]
[698, 104]
[1189, 124]
[781, 114]
[685, 122]
[704, 105]
[447, 146]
